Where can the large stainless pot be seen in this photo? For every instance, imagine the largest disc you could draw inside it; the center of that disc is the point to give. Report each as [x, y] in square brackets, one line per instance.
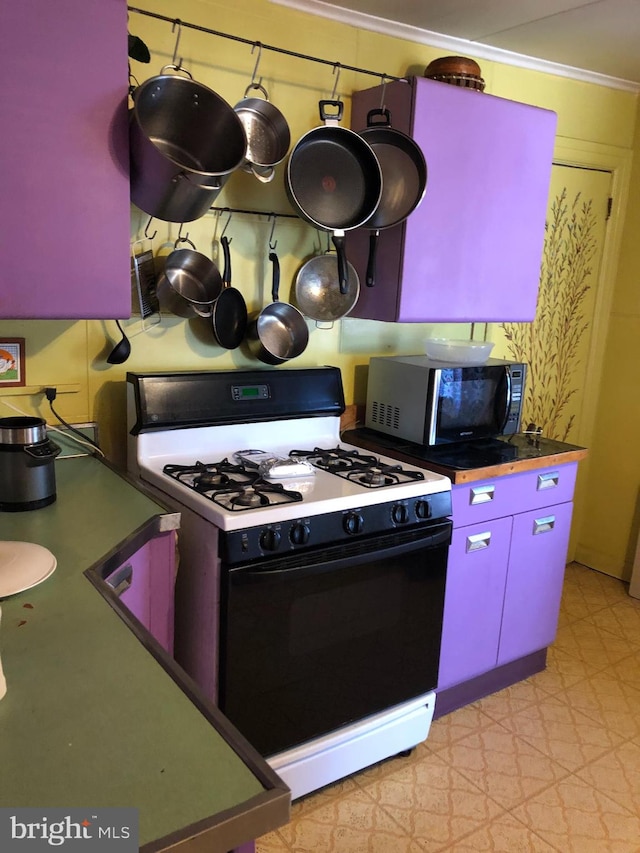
[185, 141]
[27, 472]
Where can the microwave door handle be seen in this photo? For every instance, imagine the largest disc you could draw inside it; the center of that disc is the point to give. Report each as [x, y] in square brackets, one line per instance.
[508, 390]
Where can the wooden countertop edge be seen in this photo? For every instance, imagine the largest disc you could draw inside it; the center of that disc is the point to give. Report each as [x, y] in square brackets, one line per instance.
[474, 474]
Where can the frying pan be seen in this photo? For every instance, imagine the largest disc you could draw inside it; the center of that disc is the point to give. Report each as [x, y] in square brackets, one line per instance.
[334, 180]
[317, 293]
[229, 313]
[279, 332]
[404, 178]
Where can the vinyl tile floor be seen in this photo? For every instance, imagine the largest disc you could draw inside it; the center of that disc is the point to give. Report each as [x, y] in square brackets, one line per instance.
[549, 764]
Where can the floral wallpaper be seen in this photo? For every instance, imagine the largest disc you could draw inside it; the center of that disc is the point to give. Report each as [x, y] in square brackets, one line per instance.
[550, 345]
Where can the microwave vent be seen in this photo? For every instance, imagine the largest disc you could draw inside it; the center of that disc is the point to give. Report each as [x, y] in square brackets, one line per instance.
[385, 415]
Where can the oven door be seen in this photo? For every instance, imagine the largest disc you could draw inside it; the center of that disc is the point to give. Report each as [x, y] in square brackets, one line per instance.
[313, 641]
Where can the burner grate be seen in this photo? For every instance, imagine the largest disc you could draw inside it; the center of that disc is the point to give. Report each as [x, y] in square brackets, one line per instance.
[365, 470]
[231, 486]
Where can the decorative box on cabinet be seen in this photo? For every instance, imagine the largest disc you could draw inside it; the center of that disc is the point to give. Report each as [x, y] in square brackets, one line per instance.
[145, 584]
[472, 249]
[65, 207]
[506, 570]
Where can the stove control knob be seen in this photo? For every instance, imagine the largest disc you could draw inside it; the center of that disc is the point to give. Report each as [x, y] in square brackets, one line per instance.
[400, 513]
[353, 523]
[299, 533]
[270, 539]
[423, 509]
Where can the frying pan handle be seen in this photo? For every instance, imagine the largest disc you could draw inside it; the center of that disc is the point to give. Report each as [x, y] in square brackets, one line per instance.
[371, 262]
[385, 114]
[226, 274]
[343, 272]
[326, 116]
[275, 284]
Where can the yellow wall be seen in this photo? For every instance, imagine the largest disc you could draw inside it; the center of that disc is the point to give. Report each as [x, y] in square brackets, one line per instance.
[72, 356]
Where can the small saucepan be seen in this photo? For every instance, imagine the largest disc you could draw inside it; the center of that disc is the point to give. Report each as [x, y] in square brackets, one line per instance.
[189, 284]
[279, 332]
[267, 132]
[334, 180]
[404, 178]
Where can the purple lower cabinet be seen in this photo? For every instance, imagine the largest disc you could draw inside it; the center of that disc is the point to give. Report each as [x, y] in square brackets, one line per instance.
[149, 578]
[476, 578]
[534, 582]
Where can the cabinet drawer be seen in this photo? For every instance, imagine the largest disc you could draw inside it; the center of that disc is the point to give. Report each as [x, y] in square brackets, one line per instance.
[512, 494]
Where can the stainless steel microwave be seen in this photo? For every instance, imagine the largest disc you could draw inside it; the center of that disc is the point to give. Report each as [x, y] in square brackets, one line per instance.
[429, 402]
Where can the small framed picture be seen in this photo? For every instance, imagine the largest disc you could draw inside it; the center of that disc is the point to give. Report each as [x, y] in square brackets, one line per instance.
[12, 365]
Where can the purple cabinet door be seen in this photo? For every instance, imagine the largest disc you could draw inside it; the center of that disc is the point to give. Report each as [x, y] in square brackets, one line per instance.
[476, 577]
[472, 250]
[534, 581]
[147, 582]
[64, 209]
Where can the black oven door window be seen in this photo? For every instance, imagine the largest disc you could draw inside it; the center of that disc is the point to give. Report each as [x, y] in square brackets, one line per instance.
[315, 641]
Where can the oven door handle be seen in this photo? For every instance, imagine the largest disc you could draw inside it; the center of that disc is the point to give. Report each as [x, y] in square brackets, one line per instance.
[307, 563]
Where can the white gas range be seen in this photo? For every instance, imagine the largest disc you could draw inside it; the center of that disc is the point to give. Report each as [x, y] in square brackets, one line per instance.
[299, 582]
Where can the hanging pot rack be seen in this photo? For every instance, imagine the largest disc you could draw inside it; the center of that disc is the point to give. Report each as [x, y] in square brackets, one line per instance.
[336, 65]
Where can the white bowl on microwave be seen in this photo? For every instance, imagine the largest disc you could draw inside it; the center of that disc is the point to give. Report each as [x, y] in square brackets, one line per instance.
[458, 351]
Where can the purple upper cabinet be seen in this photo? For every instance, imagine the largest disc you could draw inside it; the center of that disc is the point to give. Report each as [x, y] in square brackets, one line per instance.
[64, 208]
[471, 251]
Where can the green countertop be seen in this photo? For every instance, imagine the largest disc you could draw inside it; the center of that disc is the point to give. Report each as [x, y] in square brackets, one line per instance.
[96, 714]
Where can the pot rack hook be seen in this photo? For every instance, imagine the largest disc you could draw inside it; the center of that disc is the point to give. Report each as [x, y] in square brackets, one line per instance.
[226, 224]
[146, 230]
[177, 23]
[180, 238]
[253, 83]
[272, 243]
[336, 72]
[383, 83]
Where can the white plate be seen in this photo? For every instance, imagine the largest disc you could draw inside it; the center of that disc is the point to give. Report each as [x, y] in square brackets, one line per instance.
[23, 565]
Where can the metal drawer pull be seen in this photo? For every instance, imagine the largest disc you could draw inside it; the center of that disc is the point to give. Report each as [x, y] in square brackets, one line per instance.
[481, 495]
[544, 525]
[547, 481]
[121, 579]
[478, 541]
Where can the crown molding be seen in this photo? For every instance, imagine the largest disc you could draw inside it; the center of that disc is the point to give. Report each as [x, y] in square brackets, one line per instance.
[455, 46]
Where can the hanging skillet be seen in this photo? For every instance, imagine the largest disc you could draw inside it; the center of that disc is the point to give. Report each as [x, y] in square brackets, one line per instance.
[404, 178]
[334, 181]
[229, 312]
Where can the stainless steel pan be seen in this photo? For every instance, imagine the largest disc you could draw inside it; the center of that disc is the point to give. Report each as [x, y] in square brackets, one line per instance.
[279, 332]
[317, 291]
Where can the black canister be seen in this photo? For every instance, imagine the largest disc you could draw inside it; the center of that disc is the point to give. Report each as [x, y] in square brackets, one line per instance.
[27, 470]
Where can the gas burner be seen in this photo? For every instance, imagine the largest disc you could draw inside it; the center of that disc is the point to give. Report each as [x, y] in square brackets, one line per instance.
[336, 459]
[254, 495]
[364, 470]
[205, 477]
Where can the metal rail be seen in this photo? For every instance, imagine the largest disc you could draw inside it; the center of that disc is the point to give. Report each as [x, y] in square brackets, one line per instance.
[335, 65]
